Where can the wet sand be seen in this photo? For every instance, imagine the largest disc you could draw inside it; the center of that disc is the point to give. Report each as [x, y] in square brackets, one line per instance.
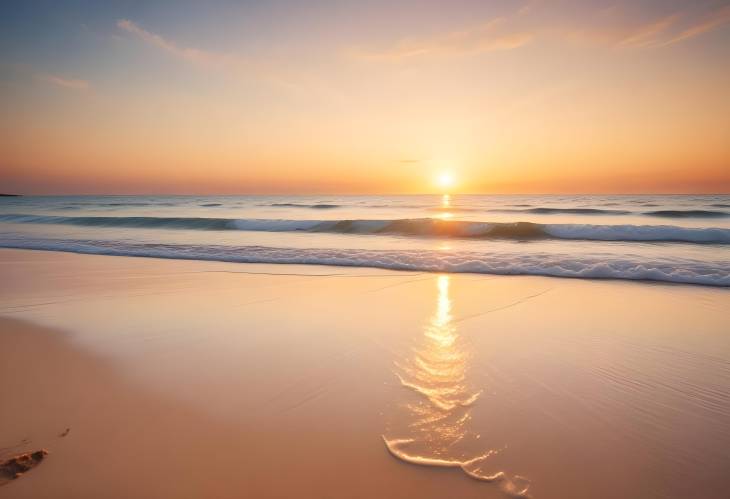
[200, 379]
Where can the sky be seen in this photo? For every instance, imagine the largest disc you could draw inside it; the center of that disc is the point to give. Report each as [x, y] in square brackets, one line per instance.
[292, 97]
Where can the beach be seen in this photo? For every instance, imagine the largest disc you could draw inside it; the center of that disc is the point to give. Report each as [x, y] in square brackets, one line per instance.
[192, 379]
[365, 250]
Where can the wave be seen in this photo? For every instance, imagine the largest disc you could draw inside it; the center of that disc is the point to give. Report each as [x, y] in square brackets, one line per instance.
[544, 210]
[517, 486]
[194, 223]
[687, 214]
[126, 204]
[640, 233]
[567, 211]
[599, 266]
[316, 206]
[422, 227]
[598, 211]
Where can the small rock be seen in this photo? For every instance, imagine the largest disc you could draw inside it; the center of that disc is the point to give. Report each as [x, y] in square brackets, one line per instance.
[16, 466]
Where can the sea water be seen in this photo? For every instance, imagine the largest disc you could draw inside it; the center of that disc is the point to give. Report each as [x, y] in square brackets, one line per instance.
[677, 238]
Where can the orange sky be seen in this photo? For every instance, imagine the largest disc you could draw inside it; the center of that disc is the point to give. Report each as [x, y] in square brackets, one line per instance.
[530, 97]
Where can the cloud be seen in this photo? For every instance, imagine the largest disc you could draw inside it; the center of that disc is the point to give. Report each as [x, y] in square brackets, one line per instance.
[661, 31]
[193, 55]
[237, 66]
[648, 34]
[72, 84]
[491, 36]
[613, 27]
[286, 77]
[669, 30]
[717, 19]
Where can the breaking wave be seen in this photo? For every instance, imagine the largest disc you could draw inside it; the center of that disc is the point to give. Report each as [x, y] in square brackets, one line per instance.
[423, 227]
[316, 206]
[688, 214]
[598, 266]
[571, 211]
[598, 211]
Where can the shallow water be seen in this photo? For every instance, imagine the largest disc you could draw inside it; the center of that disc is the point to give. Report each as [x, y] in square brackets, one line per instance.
[684, 239]
[389, 384]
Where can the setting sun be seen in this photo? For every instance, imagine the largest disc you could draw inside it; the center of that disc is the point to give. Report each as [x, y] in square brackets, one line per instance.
[445, 180]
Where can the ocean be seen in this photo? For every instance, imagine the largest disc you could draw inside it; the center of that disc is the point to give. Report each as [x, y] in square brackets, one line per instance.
[670, 238]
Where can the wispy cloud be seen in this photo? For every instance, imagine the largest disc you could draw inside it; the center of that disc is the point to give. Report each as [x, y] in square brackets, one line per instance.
[230, 63]
[491, 36]
[661, 31]
[613, 27]
[190, 54]
[674, 29]
[715, 20]
[647, 35]
[72, 84]
[285, 77]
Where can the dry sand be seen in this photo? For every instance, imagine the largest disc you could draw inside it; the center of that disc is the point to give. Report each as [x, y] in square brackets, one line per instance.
[199, 379]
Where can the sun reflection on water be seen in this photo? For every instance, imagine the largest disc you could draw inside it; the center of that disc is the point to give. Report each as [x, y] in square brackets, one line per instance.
[437, 370]
[446, 201]
[437, 423]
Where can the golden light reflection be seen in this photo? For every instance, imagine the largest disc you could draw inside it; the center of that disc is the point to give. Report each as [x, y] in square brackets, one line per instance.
[443, 310]
[435, 428]
[446, 201]
[438, 371]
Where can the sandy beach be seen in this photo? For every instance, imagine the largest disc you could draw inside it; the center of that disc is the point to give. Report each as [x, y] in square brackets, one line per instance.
[186, 379]
[365, 250]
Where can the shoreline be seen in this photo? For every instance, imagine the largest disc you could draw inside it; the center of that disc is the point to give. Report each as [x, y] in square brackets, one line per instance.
[695, 280]
[190, 379]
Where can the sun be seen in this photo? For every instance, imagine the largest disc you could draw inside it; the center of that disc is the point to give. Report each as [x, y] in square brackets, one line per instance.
[445, 180]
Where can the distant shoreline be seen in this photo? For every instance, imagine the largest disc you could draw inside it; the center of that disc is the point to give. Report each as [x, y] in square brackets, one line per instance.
[10, 195]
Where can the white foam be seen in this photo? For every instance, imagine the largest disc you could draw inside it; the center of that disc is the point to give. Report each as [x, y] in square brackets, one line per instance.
[468, 466]
[594, 266]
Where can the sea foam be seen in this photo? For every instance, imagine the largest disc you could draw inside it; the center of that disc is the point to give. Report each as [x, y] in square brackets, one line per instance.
[593, 266]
